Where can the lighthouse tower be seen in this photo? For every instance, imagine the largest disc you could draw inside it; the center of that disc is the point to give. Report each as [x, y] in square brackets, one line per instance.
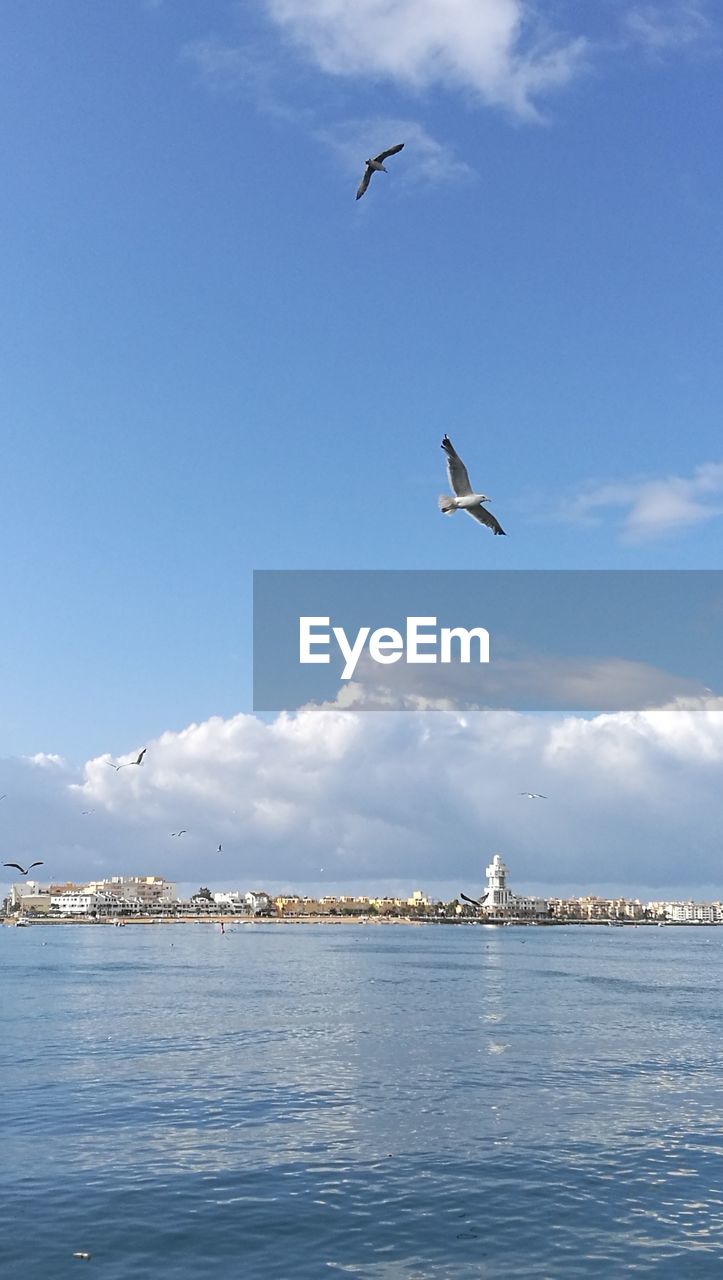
[498, 897]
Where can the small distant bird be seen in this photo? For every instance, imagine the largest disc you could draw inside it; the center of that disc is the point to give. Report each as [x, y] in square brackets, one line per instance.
[533, 795]
[85, 812]
[465, 498]
[220, 848]
[3, 797]
[376, 166]
[128, 763]
[23, 870]
[85, 1256]
[182, 832]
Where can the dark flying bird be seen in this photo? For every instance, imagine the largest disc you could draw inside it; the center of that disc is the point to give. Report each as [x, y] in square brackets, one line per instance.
[376, 166]
[128, 763]
[220, 849]
[533, 795]
[182, 832]
[465, 498]
[23, 870]
[85, 812]
[473, 901]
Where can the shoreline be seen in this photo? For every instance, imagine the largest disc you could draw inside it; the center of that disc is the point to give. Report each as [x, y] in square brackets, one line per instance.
[375, 920]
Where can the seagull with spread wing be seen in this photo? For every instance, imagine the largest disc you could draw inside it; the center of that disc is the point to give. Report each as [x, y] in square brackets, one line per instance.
[24, 870]
[474, 902]
[128, 763]
[376, 166]
[533, 795]
[465, 498]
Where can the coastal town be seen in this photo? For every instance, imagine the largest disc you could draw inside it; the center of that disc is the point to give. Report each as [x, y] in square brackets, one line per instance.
[149, 899]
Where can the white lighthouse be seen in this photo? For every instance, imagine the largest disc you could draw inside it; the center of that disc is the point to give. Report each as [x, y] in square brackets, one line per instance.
[498, 897]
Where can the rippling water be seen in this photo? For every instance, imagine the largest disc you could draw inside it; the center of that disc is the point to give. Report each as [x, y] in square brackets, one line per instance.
[373, 1101]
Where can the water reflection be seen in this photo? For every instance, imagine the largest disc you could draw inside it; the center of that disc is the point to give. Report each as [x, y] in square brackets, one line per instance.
[376, 1107]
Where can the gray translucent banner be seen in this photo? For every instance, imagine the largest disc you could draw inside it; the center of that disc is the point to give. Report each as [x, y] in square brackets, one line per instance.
[538, 640]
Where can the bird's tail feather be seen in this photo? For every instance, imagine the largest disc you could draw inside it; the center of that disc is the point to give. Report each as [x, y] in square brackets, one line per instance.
[446, 504]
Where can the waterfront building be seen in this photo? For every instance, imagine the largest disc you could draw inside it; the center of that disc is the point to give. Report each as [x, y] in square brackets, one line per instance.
[692, 912]
[82, 904]
[30, 899]
[499, 902]
[258, 903]
[592, 907]
[231, 900]
[151, 891]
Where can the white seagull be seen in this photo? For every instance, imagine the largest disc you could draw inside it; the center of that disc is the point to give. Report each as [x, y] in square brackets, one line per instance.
[465, 498]
[376, 166]
[128, 763]
[533, 795]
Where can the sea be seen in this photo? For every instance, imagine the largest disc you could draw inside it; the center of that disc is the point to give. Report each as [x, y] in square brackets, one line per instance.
[361, 1100]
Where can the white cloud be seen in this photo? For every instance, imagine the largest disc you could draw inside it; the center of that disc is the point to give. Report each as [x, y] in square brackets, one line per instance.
[47, 760]
[498, 49]
[653, 508]
[418, 798]
[670, 26]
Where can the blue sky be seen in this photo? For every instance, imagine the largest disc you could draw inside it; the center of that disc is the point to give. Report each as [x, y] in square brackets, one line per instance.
[216, 360]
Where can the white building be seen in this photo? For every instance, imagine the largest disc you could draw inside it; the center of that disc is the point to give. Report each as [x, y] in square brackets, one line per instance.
[257, 902]
[82, 904]
[499, 901]
[232, 900]
[693, 912]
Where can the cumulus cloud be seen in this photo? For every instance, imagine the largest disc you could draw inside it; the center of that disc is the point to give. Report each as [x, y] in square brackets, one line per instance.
[420, 799]
[499, 50]
[652, 508]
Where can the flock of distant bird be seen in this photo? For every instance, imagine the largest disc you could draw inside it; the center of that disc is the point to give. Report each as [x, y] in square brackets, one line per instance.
[86, 812]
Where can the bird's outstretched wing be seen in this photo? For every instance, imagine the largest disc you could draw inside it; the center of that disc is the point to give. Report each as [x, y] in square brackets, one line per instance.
[473, 901]
[17, 867]
[140, 758]
[384, 155]
[35, 864]
[364, 182]
[484, 516]
[456, 470]
[114, 766]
